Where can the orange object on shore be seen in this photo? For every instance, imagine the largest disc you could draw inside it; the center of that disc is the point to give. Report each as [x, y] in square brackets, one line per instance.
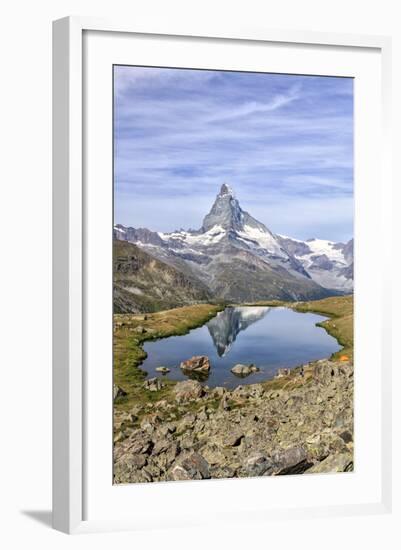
[344, 358]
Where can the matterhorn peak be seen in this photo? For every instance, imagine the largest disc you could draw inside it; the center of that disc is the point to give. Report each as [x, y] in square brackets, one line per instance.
[226, 212]
[226, 190]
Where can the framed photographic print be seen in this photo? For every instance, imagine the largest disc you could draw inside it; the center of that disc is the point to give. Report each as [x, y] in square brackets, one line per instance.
[219, 336]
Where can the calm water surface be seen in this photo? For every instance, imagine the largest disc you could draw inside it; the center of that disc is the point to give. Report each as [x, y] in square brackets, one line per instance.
[268, 337]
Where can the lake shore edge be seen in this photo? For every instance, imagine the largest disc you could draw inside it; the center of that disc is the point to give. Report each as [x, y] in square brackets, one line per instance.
[194, 414]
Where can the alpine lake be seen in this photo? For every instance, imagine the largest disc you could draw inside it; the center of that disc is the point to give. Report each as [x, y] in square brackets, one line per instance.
[268, 337]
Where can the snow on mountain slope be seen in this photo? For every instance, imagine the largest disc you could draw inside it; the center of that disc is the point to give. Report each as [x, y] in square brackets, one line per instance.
[237, 256]
[263, 239]
[333, 251]
[328, 263]
[213, 236]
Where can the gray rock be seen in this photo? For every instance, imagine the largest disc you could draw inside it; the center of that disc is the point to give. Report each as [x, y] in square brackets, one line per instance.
[140, 443]
[244, 370]
[197, 364]
[163, 370]
[118, 392]
[346, 436]
[334, 463]
[282, 372]
[302, 428]
[188, 390]
[291, 461]
[193, 466]
[233, 439]
[224, 405]
[160, 446]
[219, 391]
[153, 384]
[258, 465]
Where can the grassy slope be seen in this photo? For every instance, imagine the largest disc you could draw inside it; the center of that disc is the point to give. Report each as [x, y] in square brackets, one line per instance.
[341, 323]
[128, 352]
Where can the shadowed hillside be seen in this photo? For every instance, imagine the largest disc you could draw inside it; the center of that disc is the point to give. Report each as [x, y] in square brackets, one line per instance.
[144, 284]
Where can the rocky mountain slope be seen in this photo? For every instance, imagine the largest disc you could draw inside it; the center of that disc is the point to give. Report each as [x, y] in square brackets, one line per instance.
[235, 256]
[143, 283]
[330, 264]
[300, 423]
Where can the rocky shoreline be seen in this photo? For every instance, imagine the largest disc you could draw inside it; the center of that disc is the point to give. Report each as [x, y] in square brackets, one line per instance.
[300, 422]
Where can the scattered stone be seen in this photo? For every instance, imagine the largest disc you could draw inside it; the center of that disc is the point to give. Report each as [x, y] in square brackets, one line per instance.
[153, 384]
[171, 453]
[140, 329]
[118, 392]
[197, 364]
[160, 446]
[346, 436]
[250, 431]
[233, 439]
[224, 405]
[193, 466]
[218, 391]
[163, 370]
[291, 461]
[138, 461]
[244, 370]
[258, 465]
[139, 444]
[188, 390]
[333, 463]
[282, 372]
[167, 429]
[119, 436]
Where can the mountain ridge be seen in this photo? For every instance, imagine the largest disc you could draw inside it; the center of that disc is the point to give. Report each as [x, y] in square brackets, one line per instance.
[238, 258]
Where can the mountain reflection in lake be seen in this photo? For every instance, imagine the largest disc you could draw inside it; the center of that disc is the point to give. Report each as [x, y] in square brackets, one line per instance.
[268, 337]
[227, 324]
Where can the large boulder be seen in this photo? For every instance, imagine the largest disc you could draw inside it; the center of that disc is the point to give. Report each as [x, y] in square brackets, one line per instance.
[258, 465]
[342, 462]
[188, 390]
[293, 460]
[197, 364]
[193, 466]
[244, 370]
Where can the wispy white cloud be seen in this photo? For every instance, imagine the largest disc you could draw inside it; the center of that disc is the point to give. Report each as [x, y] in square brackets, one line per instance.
[278, 139]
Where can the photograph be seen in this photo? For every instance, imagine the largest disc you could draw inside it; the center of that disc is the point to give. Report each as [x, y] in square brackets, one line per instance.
[233, 263]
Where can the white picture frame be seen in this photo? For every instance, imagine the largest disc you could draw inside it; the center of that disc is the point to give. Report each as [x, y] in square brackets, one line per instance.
[70, 259]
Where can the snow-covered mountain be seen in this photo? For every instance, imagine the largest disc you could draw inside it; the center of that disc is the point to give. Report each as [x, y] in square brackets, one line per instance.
[330, 264]
[227, 324]
[234, 255]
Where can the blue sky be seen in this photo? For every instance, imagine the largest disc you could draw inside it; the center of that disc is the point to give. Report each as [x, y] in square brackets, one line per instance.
[284, 143]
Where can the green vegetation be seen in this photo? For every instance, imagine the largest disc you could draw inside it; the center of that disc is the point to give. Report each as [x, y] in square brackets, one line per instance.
[340, 309]
[131, 331]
